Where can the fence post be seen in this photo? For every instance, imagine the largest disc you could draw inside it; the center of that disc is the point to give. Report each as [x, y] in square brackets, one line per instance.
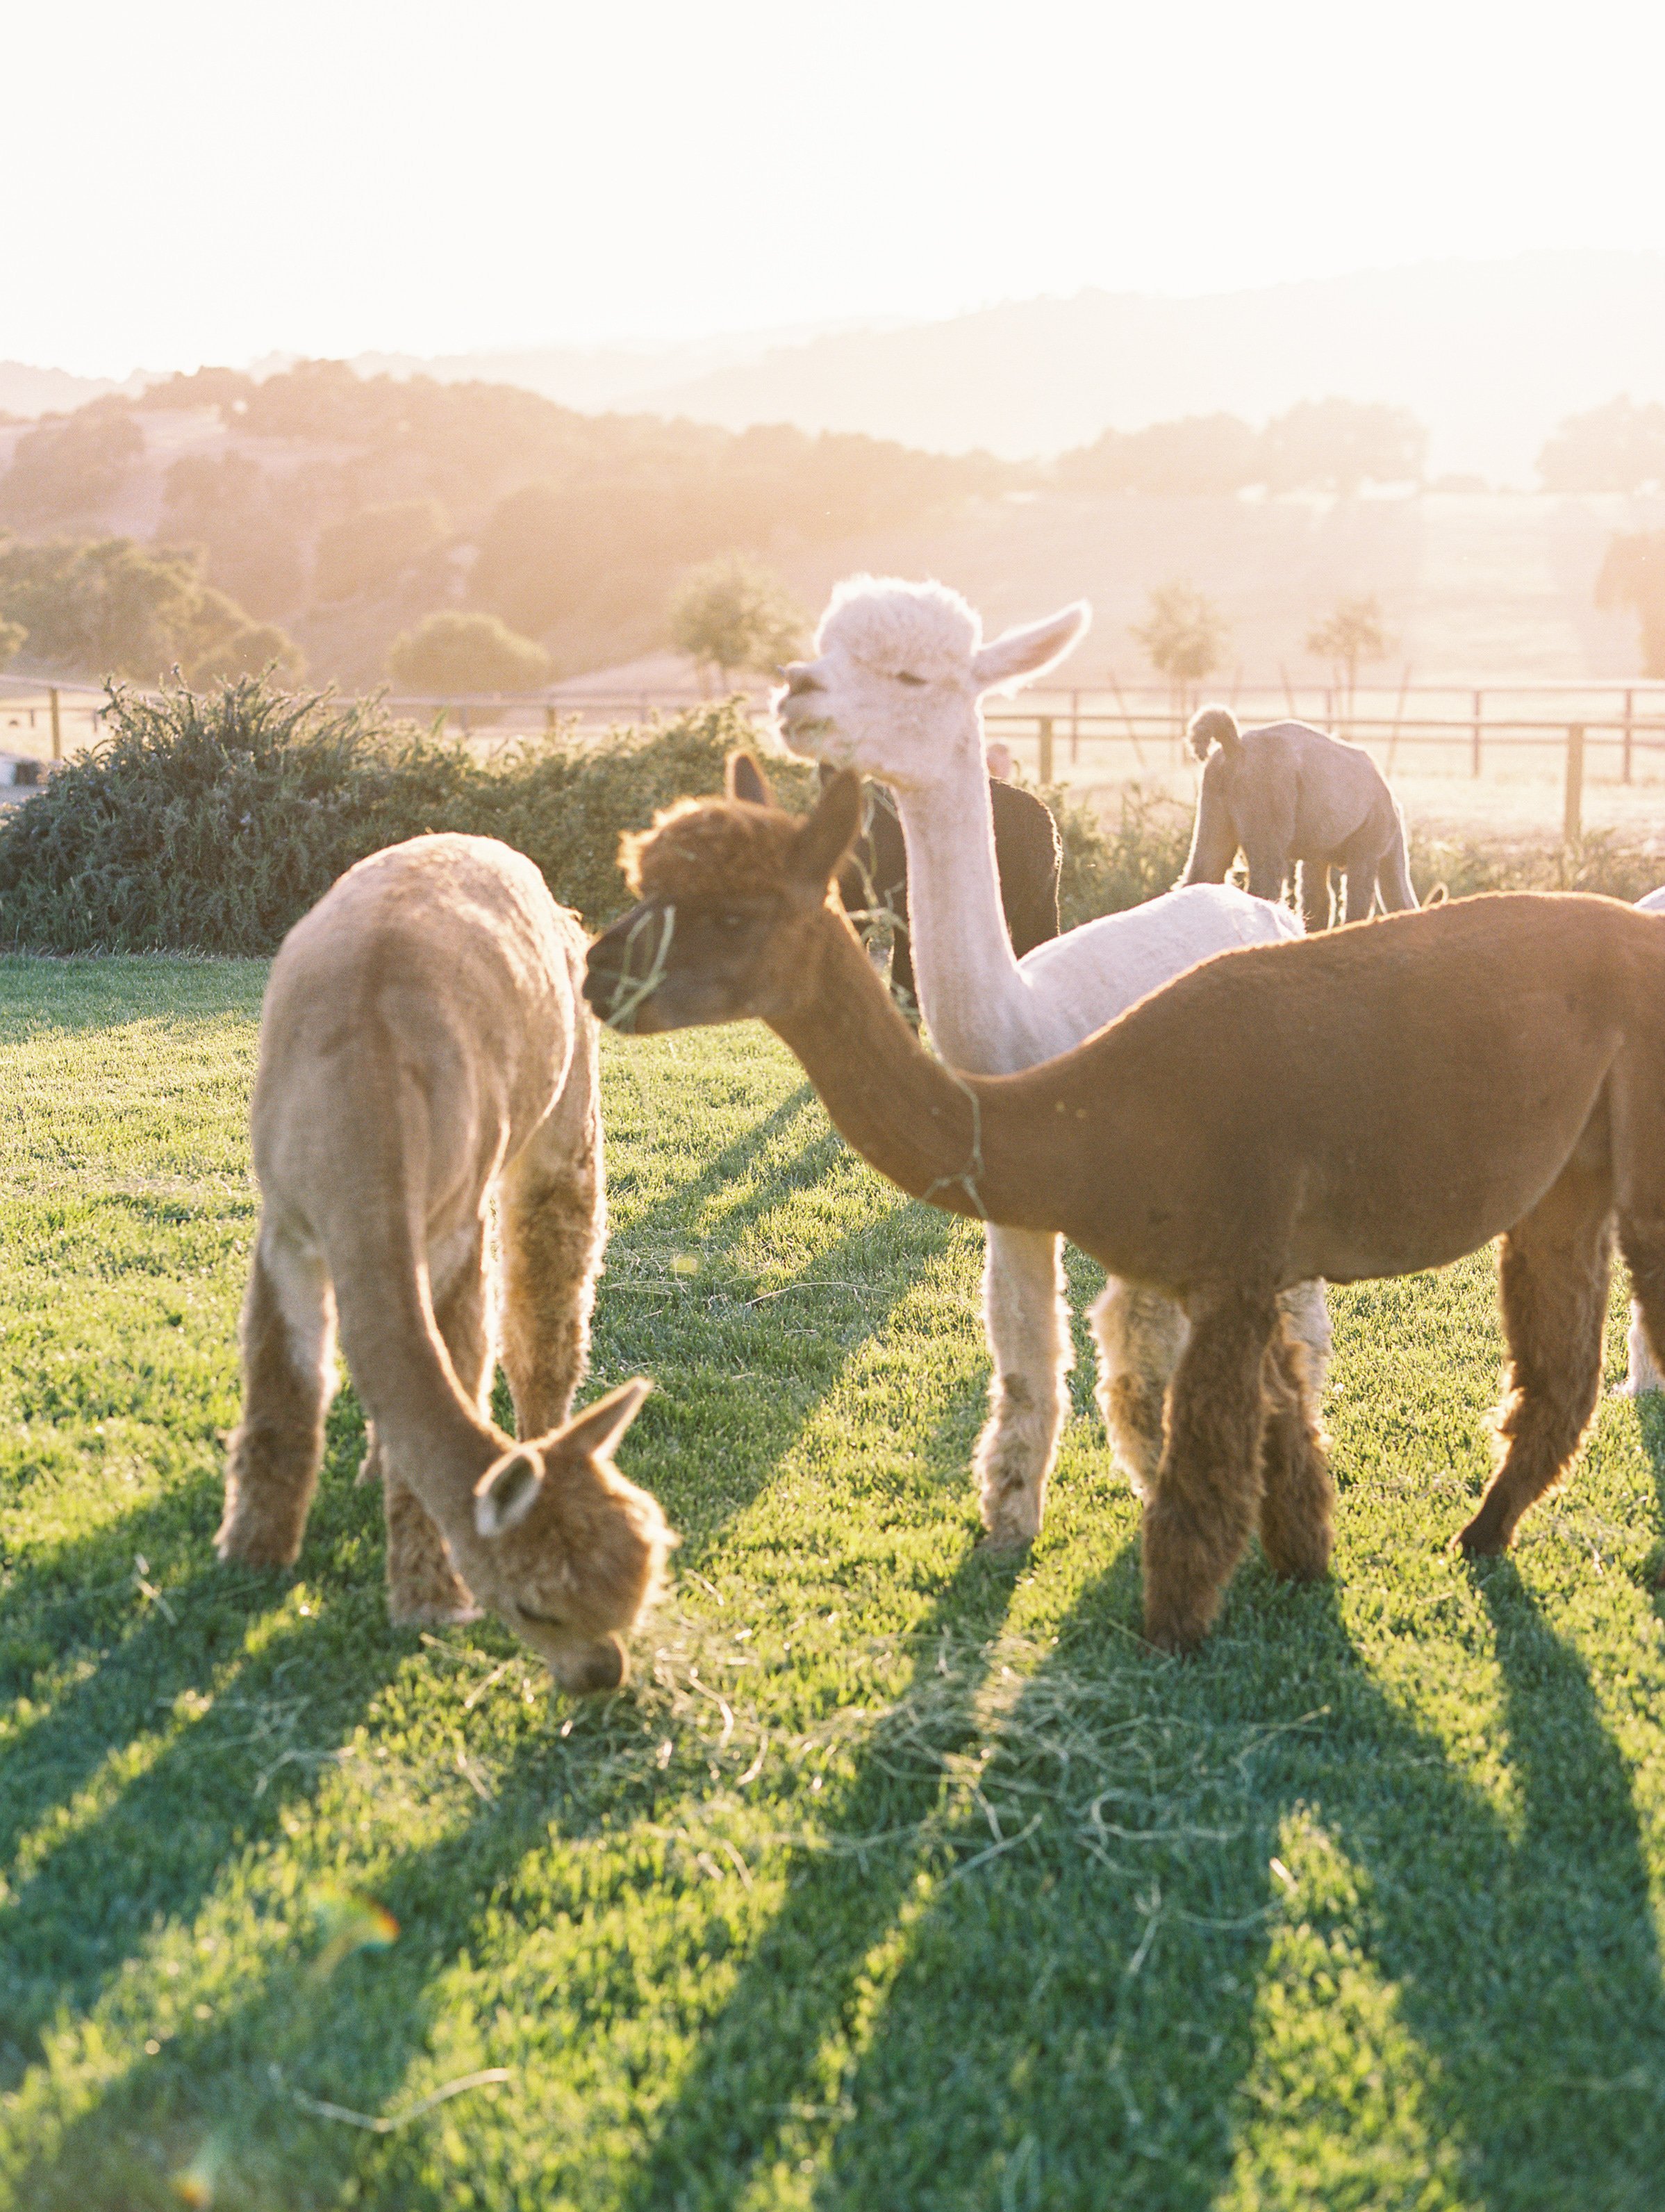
[1075, 728]
[1572, 819]
[1629, 698]
[57, 725]
[1475, 733]
[1046, 749]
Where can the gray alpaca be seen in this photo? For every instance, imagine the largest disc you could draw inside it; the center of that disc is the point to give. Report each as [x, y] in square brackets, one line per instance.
[1287, 792]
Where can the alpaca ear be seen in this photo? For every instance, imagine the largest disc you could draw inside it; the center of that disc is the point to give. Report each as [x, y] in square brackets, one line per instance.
[1019, 654]
[597, 1430]
[747, 782]
[507, 1492]
[830, 832]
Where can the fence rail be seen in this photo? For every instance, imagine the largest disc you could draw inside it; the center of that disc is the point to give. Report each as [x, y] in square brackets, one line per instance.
[1081, 734]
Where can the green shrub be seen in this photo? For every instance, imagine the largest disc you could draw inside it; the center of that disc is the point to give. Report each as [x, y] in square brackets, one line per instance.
[212, 823]
[454, 653]
[1106, 869]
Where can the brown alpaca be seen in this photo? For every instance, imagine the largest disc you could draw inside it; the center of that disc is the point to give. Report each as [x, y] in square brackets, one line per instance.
[423, 1052]
[1369, 1103]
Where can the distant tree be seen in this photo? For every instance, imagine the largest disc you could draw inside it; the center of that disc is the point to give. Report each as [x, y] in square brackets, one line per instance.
[1632, 574]
[12, 635]
[1351, 634]
[1617, 447]
[368, 550]
[71, 466]
[1184, 637]
[1338, 445]
[1195, 455]
[452, 651]
[228, 389]
[106, 606]
[733, 613]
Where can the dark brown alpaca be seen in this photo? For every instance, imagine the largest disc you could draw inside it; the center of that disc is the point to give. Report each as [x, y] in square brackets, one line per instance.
[1369, 1103]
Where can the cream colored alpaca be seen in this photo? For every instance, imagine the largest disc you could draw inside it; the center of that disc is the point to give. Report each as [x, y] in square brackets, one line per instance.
[895, 690]
[424, 1051]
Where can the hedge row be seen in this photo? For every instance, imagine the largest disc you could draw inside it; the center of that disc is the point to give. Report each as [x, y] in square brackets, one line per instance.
[209, 823]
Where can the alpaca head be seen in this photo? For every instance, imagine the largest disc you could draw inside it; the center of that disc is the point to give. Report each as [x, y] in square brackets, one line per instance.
[896, 676]
[732, 911]
[566, 1551]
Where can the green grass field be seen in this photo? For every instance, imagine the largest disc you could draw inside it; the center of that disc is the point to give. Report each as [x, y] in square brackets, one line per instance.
[900, 1877]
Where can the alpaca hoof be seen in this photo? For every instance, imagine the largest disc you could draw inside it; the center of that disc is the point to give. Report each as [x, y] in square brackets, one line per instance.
[418, 1614]
[1478, 1541]
[255, 1547]
[1177, 1641]
[1002, 1543]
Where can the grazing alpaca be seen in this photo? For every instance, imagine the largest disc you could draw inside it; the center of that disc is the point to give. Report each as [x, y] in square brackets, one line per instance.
[1287, 792]
[423, 1051]
[894, 690]
[1642, 1374]
[1028, 858]
[1369, 1103]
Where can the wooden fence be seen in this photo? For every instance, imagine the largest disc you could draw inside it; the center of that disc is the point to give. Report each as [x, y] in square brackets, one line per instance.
[1092, 735]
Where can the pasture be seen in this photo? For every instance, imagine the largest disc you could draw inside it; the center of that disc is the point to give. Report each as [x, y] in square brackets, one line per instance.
[902, 1876]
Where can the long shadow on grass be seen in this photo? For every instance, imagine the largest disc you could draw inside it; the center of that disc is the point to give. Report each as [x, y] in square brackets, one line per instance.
[236, 2076]
[201, 1745]
[1077, 2015]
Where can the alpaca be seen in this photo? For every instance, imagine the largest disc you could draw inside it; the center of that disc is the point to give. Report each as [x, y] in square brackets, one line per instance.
[1642, 1372]
[894, 690]
[423, 1052]
[1028, 857]
[1286, 793]
[1366, 1102]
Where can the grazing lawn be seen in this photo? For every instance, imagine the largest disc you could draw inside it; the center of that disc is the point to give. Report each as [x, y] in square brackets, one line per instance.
[900, 1877]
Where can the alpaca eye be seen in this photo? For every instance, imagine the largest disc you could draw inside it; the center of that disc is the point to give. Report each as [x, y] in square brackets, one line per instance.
[902, 677]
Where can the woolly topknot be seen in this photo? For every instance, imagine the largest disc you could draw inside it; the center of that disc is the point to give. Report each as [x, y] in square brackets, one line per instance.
[1213, 726]
[927, 630]
[708, 847]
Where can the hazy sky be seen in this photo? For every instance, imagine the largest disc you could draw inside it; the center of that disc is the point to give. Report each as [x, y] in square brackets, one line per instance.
[191, 182]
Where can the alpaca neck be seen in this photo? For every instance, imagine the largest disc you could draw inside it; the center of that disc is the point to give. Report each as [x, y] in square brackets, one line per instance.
[954, 1140]
[978, 1007]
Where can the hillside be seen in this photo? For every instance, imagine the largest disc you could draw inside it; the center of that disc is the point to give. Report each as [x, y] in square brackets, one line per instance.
[348, 508]
[1488, 353]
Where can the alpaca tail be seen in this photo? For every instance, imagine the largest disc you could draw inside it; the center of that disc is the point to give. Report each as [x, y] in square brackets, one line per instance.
[1213, 726]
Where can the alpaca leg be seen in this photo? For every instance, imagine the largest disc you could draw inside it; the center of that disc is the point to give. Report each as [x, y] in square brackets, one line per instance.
[1028, 1327]
[554, 1228]
[1358, 891]
[1141, 1335]
[288, 1339]
[423, 1585]
[1552, 1273]
[1643, 1374]
[1208, 1487]
[1306, 1316]
[1316, 896]
[1299, 1498]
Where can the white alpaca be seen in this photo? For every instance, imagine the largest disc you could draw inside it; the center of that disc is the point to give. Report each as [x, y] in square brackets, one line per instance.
[895, 691]
[1643, 1374]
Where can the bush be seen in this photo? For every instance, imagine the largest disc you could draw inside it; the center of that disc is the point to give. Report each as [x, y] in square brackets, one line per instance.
[1106, 870]
[212, 823]
[454, 653]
